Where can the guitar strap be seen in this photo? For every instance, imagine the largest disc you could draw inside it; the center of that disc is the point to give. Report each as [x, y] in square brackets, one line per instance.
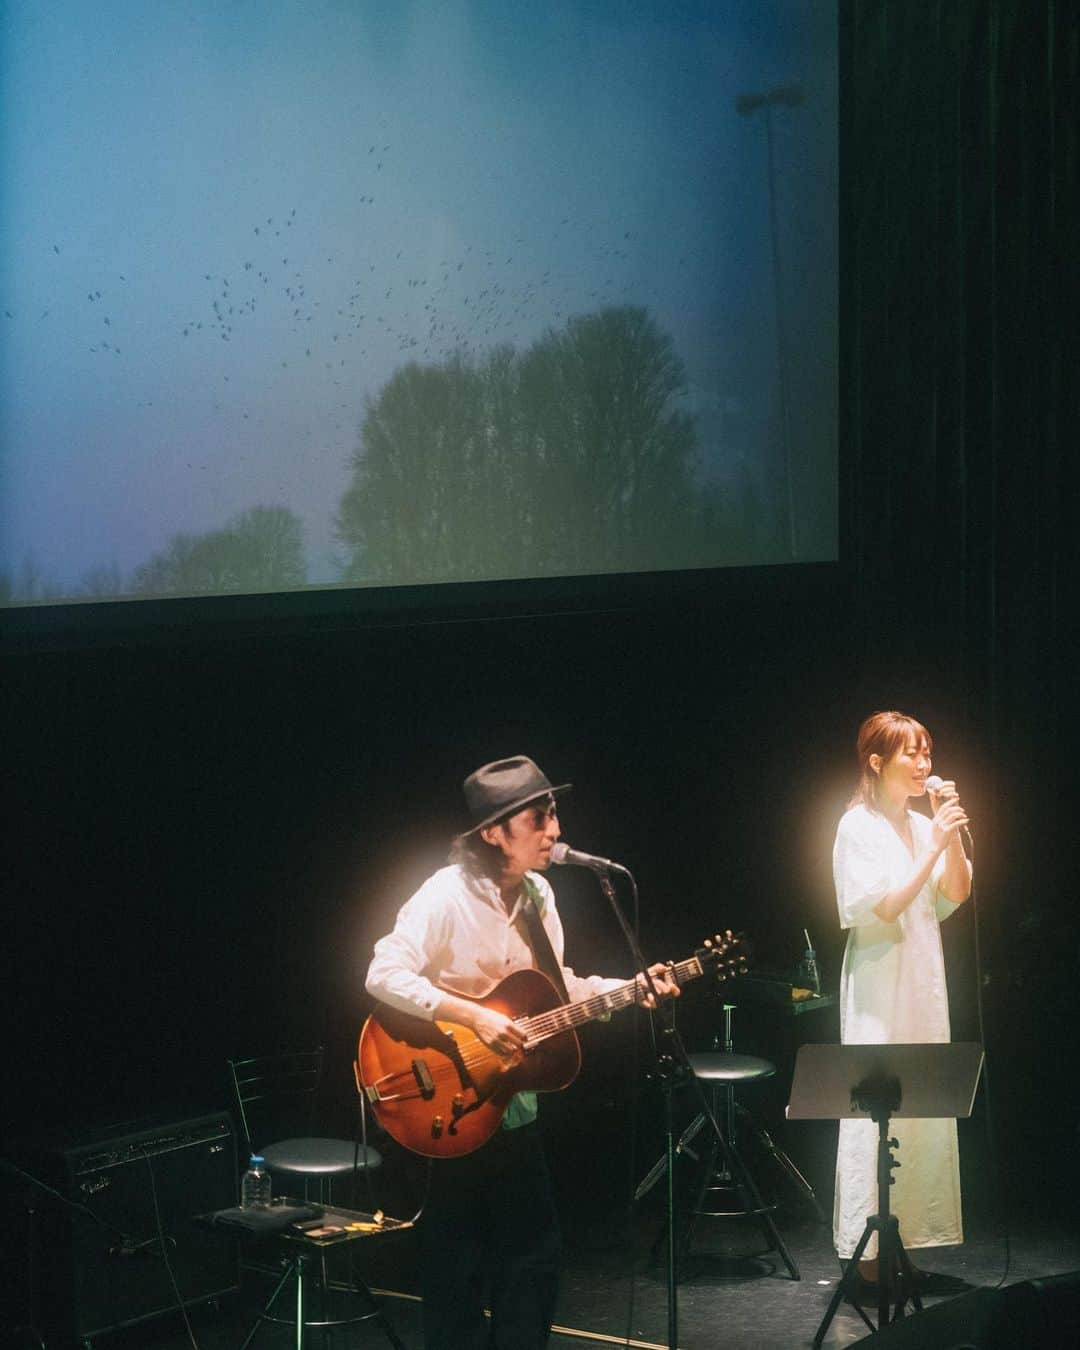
[540, 942]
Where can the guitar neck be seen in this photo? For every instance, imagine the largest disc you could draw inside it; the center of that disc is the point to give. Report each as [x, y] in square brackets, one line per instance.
[571, 1015]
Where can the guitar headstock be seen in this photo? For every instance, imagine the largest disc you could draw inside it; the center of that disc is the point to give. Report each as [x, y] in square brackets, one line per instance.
[727, 954]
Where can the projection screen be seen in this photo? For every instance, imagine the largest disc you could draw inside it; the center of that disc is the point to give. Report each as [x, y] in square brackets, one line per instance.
[314, 294]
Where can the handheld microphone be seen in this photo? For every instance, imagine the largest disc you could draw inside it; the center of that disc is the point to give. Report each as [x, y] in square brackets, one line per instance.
[562, 854]
[935, 784]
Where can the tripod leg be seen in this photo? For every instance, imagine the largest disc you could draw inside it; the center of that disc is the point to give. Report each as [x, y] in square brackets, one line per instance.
[377, 1313]
[847, 1286]
[688, 1134]
[896, 1276]
[742, 1175]
[299, 1303]
[907, 1273]
[784, 1162]
[289, 1271]
[653, 1175]
[708, 1166]
[885, 1266]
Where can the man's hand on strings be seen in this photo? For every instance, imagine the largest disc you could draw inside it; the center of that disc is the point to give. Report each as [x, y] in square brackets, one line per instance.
[662, 980]
[498, 1032]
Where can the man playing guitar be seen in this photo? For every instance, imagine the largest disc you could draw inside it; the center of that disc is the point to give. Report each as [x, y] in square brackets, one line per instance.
[490, 1230]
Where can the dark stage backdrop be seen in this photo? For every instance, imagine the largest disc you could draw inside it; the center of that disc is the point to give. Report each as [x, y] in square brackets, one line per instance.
[211, 835]
[961, 422]
[208, 833]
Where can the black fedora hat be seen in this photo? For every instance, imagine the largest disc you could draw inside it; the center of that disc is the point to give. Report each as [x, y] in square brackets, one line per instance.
[498, 789]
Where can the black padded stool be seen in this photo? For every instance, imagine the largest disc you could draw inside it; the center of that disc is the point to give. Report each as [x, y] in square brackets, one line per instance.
[723, 1171]
[276, 1098]
[315, 1163]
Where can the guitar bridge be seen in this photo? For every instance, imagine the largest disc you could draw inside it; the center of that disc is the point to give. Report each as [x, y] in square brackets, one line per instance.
[424, 1080]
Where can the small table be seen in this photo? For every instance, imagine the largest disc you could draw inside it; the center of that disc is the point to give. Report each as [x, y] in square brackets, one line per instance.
[338, 1227]
[776, 995]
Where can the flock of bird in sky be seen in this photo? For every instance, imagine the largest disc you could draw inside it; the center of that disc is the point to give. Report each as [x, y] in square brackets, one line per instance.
[371, 301]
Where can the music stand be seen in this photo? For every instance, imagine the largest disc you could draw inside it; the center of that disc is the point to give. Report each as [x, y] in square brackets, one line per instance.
[839, 1082]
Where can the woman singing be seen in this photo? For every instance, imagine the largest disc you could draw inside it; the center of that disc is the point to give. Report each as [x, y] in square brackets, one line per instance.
[898, 875]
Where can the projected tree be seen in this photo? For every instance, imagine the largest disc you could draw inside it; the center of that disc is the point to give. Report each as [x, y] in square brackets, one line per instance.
[27, 586]
[260, 549]
[617, 455]
[571, 457]
[417, 494]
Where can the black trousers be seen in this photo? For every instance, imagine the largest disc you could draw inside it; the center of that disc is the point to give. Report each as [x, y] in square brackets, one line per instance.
[491, 1238]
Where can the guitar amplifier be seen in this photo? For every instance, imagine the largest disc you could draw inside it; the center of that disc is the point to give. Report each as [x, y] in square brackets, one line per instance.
[99, 1263]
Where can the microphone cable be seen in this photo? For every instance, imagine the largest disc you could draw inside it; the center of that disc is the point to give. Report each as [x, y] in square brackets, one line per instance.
[991, 1115]
[163, 1241]
[633, 1071]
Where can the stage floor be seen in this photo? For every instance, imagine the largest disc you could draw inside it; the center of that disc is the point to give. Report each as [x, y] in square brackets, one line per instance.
[614, 1287]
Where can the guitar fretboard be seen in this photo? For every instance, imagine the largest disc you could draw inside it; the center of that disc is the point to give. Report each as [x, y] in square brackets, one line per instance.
[568, 1016]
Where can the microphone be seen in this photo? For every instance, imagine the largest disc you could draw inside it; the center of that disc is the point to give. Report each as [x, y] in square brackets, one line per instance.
[935, 784]
[562, 854]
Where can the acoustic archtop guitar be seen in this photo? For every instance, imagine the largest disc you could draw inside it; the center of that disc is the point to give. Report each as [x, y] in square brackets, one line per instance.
[437, 1089]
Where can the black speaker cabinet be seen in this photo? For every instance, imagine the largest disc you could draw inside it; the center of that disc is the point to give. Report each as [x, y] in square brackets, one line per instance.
[96, 1272]
[1038, 1314]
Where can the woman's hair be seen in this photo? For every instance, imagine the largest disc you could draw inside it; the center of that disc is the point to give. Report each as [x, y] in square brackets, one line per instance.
[883, 733]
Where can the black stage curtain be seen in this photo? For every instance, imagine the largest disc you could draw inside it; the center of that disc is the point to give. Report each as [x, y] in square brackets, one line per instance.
[961, 256]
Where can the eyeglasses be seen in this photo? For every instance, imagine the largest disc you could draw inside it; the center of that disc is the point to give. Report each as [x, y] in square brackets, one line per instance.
[541, 812]
[545, 809]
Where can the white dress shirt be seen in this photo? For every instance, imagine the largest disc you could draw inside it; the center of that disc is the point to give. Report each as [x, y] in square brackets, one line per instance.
[455, 936]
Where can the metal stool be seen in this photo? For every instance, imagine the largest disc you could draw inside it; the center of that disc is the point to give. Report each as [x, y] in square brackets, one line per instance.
[308, 1270]
[723, 1171]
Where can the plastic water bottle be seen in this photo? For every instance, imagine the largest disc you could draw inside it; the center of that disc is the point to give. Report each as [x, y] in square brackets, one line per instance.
[255, 1184]
[808, 971]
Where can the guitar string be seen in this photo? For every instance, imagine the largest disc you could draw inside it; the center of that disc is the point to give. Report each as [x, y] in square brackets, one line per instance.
[569, 1016]
[541, 1026]
[566, 1017]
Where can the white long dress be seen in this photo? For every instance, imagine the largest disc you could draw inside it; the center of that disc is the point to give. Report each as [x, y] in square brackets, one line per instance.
[892, 991]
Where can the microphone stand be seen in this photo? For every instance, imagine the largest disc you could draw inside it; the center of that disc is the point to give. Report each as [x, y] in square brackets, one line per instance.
[673, 1069]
